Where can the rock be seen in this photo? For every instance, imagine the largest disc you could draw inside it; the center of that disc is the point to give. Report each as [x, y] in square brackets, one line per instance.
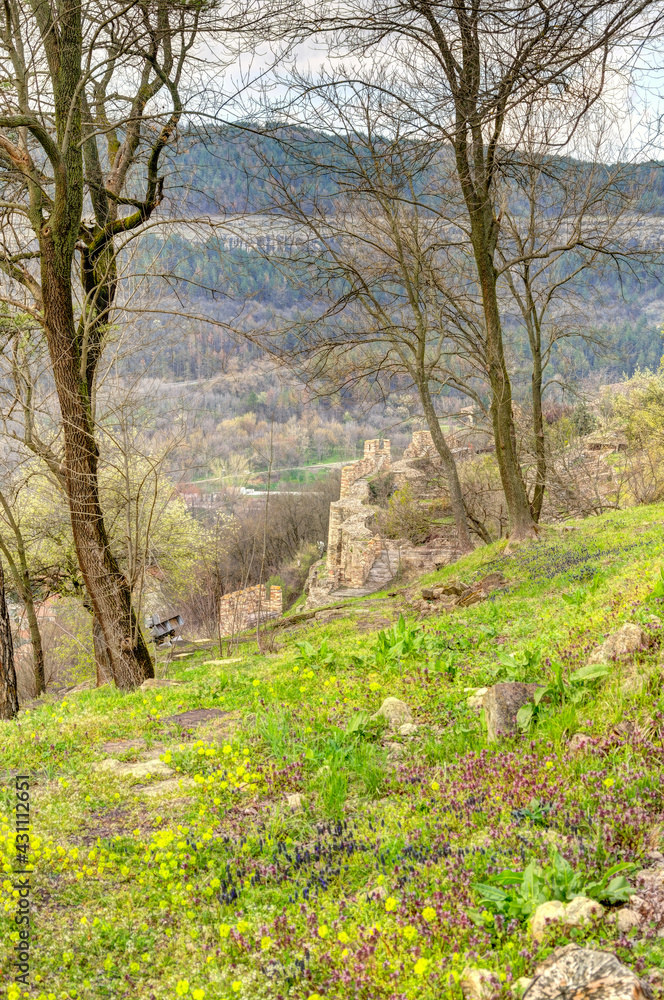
[575, 973]
[625, 642]
[579, 911]
[195, 717]
[469, 597]
[476, 700]
[408, 729]
[294, 801]
[546, 913]
[121, 746]
[477, 984]
[582, 910]
[157, 682]
[580, 743]
[501, 703]
[428, 594]
[656, 856]
[169, 787]
[454, 590]
[395, 711]
[142, 769]
[492, 581]
[521, 985]
[394, 750]
[650, 878]
[627, 919]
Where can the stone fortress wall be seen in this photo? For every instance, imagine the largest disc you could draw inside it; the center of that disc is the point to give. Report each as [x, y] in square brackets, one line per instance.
[358, 558]
[240, 610]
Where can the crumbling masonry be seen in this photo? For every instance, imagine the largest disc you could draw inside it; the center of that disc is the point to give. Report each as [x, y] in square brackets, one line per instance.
[358, 558]
[241, 609]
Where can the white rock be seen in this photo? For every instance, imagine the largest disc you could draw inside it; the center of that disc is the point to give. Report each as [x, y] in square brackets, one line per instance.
[546, 913]
[476, 700]
[395, 711]
[408, 729]
[477, 984]
[172, 786]
[294, 801]
[521, 985]
[582, 910]
[627, 919]
[142, 769]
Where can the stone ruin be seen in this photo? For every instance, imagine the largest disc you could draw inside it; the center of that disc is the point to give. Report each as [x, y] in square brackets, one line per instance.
[241, 609]
[359, 560]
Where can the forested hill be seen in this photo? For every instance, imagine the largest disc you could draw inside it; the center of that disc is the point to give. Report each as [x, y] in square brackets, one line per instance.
[228, 170]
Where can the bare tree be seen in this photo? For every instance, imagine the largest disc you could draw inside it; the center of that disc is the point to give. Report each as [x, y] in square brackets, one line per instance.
[389, 299]
[95, 95]
[8, 689]
[467, 76]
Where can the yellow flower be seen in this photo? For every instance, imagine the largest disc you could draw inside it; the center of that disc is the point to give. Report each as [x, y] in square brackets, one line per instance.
[549, 765]
[256, 683]
[390, 904]
[343, 937]
[434, 786]
[198, 994]
[421, 966]
[182, 987]
[429, 913]
[609, 782]
[265, 943]
[410, 933]
[323, 931]
[236, 986]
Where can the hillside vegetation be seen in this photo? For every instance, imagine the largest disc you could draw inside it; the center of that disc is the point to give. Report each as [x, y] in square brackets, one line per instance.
[299, 849]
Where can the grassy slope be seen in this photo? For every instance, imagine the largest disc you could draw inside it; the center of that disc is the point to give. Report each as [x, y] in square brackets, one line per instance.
[221, 890]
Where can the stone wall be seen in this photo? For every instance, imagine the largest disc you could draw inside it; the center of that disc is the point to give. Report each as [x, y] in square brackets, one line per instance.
[240, 610]
[376, 456]
[357, 556]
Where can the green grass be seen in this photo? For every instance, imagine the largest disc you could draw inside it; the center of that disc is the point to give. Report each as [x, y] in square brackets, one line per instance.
[225, 888]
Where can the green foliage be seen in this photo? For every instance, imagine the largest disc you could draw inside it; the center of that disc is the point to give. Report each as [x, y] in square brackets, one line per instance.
[309, 656]
[406, 517]
[559, 691]
[516, 895]
[402, 640]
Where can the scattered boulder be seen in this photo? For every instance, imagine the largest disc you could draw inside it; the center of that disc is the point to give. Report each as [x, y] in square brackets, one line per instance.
[157, 682]
[627, 919]
[546, 913]
[294, 801]
[579, 744]
[625, 642]
[476, 699]
[521, 985]
[580, 910]
[408, 729]
[142, 769]
[194, 717]
[461, 595]
[576, 973]
[170, 786]
[501, 704]
[478, 984]
[395, 711]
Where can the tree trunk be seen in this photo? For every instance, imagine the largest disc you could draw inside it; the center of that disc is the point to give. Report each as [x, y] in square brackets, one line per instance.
[23, 583]
[449, 465]
[521, 521]
[109, 591]
[538, 429]
[8, 689]
[102, 659]
[38, 669]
